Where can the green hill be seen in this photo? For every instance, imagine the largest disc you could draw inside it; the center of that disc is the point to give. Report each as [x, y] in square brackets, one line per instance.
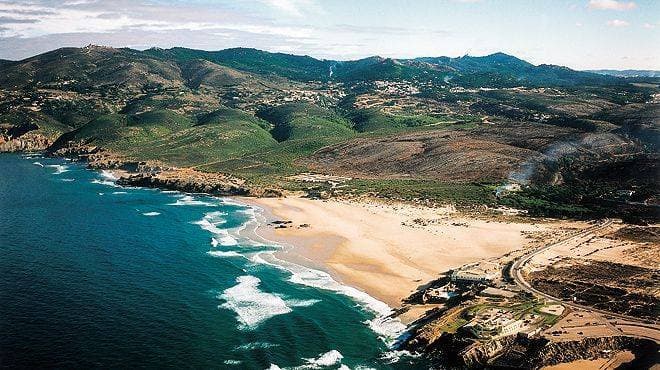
[174, 138]
[295, 67]
[298, 121]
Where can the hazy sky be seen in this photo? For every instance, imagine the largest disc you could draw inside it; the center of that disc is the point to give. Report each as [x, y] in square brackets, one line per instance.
[581, 34]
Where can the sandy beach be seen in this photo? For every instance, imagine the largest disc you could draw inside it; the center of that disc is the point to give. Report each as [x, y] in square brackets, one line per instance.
[386, 249]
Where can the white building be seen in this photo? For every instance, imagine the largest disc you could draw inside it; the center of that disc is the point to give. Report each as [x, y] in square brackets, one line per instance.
[494, 323]
[477, 272]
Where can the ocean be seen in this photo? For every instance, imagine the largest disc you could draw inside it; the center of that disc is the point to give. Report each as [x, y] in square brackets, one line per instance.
[96, 275]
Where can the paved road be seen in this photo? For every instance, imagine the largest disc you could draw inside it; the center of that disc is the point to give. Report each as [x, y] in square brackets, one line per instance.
[518, 277]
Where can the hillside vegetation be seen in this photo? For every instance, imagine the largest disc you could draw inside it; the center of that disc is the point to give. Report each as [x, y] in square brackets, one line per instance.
[432, 127]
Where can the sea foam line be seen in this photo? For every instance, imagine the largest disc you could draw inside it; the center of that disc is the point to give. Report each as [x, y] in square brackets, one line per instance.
[224, 254]
[189, 200]
[388, 328]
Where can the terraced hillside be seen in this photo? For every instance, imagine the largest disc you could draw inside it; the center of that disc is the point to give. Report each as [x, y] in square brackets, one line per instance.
[425, 127]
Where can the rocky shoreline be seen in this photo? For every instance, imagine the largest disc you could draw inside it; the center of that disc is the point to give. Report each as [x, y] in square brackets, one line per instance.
[157, 175]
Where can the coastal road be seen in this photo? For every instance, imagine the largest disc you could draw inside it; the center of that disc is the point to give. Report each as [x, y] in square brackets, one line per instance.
[518, 276]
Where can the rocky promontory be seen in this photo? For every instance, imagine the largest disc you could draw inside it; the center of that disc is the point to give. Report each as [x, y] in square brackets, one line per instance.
[187, 180]
[155, 174]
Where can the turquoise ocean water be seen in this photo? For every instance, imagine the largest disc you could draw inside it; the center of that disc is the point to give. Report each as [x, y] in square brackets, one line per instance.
[95, 275]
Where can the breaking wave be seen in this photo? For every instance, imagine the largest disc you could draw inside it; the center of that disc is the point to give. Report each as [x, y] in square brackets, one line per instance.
[224, 254]
[59, 168]
[387, 327]
[210, 223]
[109, 175]
[329, 358]
[105, 182]
[252, 306]
[189, 200]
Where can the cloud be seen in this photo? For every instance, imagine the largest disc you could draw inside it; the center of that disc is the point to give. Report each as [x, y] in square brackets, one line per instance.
[611, 5]
[649, 26]
[578, 24]
[5, 20]
[97, 17]
[617, 23]
[296, 8]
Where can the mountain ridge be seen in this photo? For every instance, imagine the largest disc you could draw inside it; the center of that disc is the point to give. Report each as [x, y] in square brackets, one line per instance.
[306, 68]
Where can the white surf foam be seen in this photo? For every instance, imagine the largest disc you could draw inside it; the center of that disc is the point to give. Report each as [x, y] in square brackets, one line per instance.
[59, 168]
[224, 254]
[388, 328]
[188, 200]
[109, 175]
[231, 202]
[392, 357]
[329, 358]
[227, 240]
[232, 362]
[256, 345]
[151, 214]
[38, 164]
[106, 183]
[119, 192]
[251, 305]
[68, 180]
[210, 223]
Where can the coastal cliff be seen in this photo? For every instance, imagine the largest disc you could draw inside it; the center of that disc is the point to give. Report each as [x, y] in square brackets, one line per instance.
[532, 353]
[29, 142]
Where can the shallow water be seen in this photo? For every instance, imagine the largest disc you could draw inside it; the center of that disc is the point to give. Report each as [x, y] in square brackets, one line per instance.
[95, 275]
